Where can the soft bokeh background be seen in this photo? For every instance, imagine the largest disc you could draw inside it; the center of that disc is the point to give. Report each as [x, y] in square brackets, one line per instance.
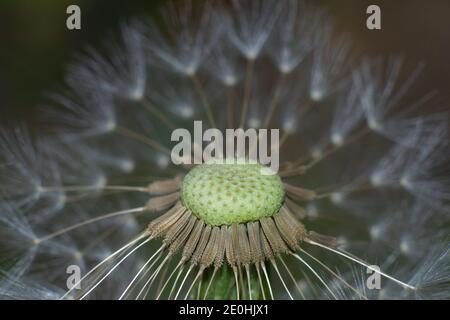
[35, 45]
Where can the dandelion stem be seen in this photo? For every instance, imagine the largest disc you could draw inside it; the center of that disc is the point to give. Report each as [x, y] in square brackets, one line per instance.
[247, 269]
[247, 90]
[281, 278]
[176, 280]
[274, 101]
[335, 274]
[199, 273]
[141, 138]
[263, 267]
[236, 280]
[144, 234]
[316, 274]
[300, 167]
[209, 283]
[204, 99]
[113, 268]
[184, 280]
[260, 282]
[168, 279]
[300, 291]
[200, 285]
[150, 107]
[162, 280]
[364, 186]
[96, 219]
[152, 277]
[139, 272]
[91, 188]
[230, 108]
[331, 151]
[283, 139]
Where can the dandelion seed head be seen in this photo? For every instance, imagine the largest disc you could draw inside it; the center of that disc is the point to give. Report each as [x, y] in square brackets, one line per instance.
[246, 195]
[363, 177]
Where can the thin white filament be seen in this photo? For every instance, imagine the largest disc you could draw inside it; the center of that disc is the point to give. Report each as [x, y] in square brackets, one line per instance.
[142, 138]
[184, 280]
[91, 188]
[335, 274]
[316, 274]
[247, 89]
[114, 267]
[263, 266]
[105, 260]
[150, 107]
[200, 285]
[236, 280]
[152, 277]
[168, 279]
[204, 99]
[247, 269]
[363, 263]
[148, 269]
[281, 278]
[209, 283]
[176, 280]
[292, 278]
[139, 272]
[199, 273]
[86, 222]
[260, 281]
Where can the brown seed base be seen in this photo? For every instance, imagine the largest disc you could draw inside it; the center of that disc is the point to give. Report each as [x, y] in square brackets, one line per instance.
[240, 244]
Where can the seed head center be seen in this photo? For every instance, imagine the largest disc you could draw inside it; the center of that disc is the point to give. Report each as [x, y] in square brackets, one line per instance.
[223, 194]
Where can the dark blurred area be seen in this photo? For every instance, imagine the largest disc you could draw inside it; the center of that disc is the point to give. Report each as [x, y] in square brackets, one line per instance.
[36, 46]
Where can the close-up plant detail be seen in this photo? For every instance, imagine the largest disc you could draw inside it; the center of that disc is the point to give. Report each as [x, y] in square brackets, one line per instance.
[358, 207]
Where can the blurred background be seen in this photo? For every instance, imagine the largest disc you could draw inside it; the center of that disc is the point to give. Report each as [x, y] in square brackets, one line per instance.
[36, 46]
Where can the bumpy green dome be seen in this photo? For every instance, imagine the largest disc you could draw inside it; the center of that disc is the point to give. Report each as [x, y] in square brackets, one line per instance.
[222, 194]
